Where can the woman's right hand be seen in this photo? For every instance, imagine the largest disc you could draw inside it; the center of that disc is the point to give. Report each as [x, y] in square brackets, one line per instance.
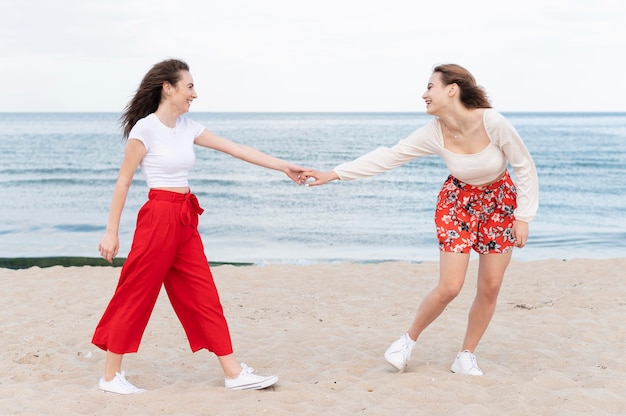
[320, 177]
[109, 246]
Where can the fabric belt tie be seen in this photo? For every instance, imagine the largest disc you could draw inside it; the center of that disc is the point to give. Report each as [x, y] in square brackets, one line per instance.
[190, 206]
[190, 203]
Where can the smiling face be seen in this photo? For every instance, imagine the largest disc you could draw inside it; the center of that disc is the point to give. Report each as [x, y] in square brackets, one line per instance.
[436, 95]
[181, 95]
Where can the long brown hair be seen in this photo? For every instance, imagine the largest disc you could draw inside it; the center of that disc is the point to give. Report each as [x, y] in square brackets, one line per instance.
[472, 95]
[148, 96]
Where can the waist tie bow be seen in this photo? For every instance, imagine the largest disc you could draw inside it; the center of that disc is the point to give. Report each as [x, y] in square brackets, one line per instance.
[190, 206]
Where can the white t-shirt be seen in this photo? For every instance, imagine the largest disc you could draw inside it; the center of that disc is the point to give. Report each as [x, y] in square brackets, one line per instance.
[506, 147]
[169, 151]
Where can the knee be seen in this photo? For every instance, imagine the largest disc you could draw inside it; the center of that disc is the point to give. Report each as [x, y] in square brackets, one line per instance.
[490, 288]
[448, 292]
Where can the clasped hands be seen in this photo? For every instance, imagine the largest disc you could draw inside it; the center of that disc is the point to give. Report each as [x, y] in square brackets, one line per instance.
[302, 177]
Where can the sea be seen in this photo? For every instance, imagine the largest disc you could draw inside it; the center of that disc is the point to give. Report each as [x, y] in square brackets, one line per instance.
[58, 170]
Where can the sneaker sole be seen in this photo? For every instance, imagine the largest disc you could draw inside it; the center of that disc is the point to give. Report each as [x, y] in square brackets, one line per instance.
[121, 394]
[456, 370]
[257, 386]
[105, 390]
[394, 365]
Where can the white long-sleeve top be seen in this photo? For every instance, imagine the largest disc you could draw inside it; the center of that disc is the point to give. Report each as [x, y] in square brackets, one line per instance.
[506, 148]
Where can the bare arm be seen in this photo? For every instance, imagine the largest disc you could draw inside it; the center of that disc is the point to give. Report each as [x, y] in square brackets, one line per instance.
[250, 155]
[133, 154]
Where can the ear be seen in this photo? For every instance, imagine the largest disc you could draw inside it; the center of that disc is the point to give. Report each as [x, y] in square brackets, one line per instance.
[167, 87]
[452, 89]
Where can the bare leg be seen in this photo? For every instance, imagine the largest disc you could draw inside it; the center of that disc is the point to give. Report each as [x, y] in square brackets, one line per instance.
[453, 267]
[112, 365]
[490, 275]
[113, 383]
[230, 366]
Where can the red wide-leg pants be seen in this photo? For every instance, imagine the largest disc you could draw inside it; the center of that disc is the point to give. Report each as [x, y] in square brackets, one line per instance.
[166, 250]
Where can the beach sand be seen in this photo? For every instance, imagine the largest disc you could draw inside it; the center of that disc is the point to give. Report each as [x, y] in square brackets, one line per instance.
[556, 345]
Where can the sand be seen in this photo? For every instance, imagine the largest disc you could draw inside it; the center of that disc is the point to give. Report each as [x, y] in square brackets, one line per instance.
[556, 345]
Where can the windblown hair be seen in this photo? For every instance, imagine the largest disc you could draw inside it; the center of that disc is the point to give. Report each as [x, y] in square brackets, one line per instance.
[472, 95]
[148, 96]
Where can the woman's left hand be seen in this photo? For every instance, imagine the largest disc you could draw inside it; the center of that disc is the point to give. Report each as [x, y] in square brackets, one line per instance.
[520, 233]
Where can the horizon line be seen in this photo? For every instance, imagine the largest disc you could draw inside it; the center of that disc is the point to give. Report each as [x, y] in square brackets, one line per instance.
[319, 112]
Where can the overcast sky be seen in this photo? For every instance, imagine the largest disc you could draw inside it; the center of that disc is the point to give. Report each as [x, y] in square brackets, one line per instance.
[320, 55]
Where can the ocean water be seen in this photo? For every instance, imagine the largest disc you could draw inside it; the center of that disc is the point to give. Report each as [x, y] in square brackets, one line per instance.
[57, 173]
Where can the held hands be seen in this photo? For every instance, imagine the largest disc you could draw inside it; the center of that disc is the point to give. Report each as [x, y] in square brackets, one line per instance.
[301, 175]
[109, 246]
[295, 173]
[320, 177]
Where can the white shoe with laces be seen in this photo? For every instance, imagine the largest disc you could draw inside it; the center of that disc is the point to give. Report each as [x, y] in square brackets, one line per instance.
[248, 381]
[119, 385]
[465, 363]
[399, 352]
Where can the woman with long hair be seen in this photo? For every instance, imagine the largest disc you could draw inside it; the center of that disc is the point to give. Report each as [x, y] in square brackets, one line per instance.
[479, 207]
[167, 249]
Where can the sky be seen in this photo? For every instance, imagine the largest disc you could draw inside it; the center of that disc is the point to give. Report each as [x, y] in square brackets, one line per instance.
[320, 55]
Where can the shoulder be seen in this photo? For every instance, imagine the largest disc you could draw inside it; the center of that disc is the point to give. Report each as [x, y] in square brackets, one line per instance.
[427, 138]
[429, 132]
[491, 115]
[143, 129]
[499, 129]
[495, 121]
[144, 124]
[190, 125]
[148, 120]
[186, 121]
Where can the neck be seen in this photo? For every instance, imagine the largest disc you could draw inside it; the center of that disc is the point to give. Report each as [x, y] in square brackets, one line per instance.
[458, 123]
[167, 116]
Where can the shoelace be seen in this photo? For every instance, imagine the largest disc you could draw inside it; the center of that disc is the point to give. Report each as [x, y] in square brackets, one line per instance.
[473, 361]
[406, 346]
[246, 369]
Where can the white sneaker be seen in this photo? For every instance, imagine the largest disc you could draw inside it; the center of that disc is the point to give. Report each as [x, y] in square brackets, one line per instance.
[118, 385]
[465, 363]
[399, 352]
[248, 381]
